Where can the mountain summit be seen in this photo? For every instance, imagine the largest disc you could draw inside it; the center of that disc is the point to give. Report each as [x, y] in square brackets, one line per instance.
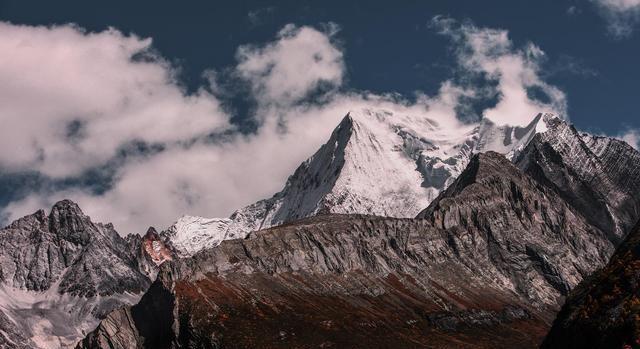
[375, 162]
[60, 274]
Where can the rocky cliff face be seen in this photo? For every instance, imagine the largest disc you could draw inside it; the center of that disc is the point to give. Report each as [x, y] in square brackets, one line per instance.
[485, 265]
[60, 273]
[495, 200]
[150, 251]
[599, 176]
[603, 311]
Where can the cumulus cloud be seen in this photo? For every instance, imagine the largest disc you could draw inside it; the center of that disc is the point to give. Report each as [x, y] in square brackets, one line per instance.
[621, 15]
[491, 53]
[287, 70]
[70, 99]
[296, 81]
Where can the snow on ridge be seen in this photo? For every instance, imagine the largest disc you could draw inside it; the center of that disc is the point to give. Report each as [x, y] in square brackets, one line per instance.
[510, 140]
[191, 234]
[56, 320]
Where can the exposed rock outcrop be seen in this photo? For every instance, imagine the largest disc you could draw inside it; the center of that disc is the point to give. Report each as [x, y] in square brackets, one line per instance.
[604, 310]
[60, 273]
[599, 176]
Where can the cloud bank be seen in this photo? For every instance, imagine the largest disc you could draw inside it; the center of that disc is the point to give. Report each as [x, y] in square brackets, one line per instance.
[71, 99]
[78, 100]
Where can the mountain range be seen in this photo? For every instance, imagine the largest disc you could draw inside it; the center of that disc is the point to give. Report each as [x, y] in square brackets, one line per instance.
[398, 232]
[375, 162]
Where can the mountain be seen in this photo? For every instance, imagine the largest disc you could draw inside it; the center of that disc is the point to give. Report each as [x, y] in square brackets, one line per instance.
[485, 265]
[464, 235]
[60, 274]
[603, 311]
[600, 176]
[375, 162]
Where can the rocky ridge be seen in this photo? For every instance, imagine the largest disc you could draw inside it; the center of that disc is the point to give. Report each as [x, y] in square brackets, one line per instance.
[485, 265]
[600, 176]
[604, 310]
[60, 274]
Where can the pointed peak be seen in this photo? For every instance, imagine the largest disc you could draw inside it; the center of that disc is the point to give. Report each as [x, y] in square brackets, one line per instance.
[485, 165]
[66, 207]
[491, 163]
[151, 233]
[40, 215]
[346, 121]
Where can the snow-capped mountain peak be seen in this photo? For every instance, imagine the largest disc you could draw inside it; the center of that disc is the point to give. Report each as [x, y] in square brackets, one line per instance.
[375, 162]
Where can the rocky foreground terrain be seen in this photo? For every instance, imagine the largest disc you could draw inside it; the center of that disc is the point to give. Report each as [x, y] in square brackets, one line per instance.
[604, 310]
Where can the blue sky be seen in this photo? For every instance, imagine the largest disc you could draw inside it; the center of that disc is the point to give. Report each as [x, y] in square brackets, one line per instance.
[387, 48]
[591, 50]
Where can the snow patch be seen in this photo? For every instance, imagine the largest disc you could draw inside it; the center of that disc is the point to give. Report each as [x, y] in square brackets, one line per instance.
[191, 234]
[57, 320]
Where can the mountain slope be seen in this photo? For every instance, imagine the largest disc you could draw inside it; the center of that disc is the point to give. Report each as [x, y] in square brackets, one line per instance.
[60, 273]
[486, 267]
[376, 163]
[600, 176]
[603, 311]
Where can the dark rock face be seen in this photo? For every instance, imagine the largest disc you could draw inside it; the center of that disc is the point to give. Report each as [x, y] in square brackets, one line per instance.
[485, 265]
[63, 272]
[599, 176]
[603, 311]
[65, 246]
[527, 230]
[150, 251]
[148, 324]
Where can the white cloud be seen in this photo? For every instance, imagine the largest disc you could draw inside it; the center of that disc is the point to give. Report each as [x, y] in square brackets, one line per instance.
[57, 78]
[516, 71]
[632, 137]
[621, 15]
[213, 179]
[288, 69]
[619, 5]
